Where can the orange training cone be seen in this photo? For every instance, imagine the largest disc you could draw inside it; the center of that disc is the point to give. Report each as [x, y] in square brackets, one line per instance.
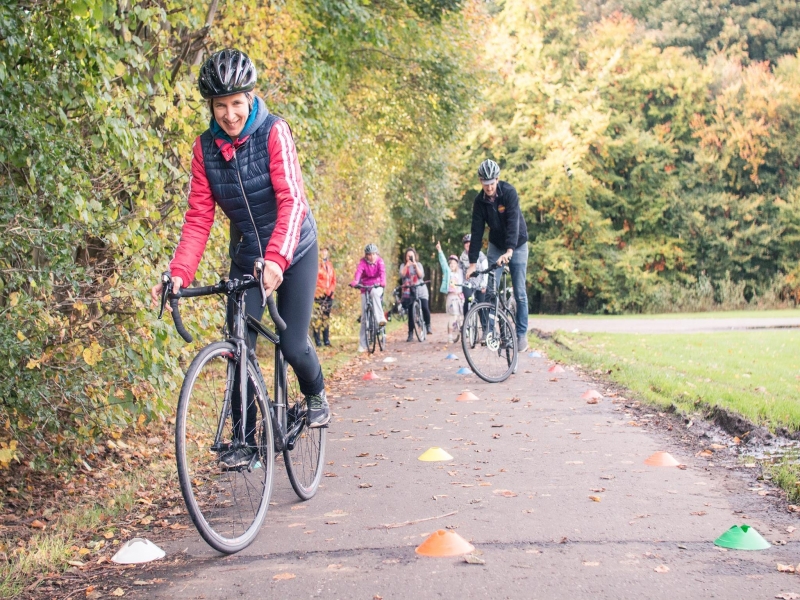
[445, 543]
[556, 369]
[662, 459]
[465, 396]
[369, 375]
[589, 394]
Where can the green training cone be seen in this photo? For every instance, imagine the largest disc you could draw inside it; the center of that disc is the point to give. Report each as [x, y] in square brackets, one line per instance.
[742, 537]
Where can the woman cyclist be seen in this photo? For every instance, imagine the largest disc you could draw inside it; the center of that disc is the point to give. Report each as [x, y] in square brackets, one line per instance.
[412, 273]
[370, 271]
[246, 164]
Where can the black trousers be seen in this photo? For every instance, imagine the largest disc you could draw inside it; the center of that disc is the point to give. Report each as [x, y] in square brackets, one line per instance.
[295, 303]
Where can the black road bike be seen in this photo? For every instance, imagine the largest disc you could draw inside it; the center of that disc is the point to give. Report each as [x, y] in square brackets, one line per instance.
[228, 505]
[488, 335]
[374, 330]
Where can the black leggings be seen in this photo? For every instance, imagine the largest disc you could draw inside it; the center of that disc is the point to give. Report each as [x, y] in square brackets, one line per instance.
[295, 302]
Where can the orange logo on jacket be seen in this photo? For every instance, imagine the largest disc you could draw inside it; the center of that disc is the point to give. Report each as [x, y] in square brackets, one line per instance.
[501, 208]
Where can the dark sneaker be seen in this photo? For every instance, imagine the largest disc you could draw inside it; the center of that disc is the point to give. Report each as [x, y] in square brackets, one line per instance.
[318, 413]
[328, 343]
[522, 343]
[410, 337]
[428, 330]
[237, 458]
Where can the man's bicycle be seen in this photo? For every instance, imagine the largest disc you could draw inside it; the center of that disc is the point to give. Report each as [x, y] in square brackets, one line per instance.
[488, 336]
[415, 310]
[229, 504]
[375, 331]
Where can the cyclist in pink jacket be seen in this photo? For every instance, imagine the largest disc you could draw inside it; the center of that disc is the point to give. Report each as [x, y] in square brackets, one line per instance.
[370, 271]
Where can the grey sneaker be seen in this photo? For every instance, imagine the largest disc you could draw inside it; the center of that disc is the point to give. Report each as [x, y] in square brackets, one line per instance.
[237, 458]
[522, 343]
[318, 413]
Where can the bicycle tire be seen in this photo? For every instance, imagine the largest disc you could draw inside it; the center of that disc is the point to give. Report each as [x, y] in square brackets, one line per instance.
[306, 458]
[382, 338]
[458, 329]
[210, 491]
[419, 322]
[470, 329]
[371, 330]
[494, 357]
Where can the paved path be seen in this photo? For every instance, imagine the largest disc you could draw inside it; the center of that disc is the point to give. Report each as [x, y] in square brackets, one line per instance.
[661, 325]
[532, 435]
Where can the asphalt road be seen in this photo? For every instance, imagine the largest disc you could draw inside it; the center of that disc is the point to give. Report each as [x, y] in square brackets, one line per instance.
[528, 454]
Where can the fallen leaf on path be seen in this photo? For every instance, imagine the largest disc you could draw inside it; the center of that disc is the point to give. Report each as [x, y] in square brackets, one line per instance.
[788, 596]
[76, 563]
[592, 401]
[37, 524]
[574, 462]
[118, 592]
[794, 508]
[505, 493]
[146, 521]
[661, 569]
[698, 513]
[598, 490]
[331, 475]
[283, 576]
[365, 485]
[790, 529]
[362, 455]
[591, 563]
[108, 535]
[474, 560]
[296, 525]
[785, 568]
[336, 513]
[595, 498]
[607, 477]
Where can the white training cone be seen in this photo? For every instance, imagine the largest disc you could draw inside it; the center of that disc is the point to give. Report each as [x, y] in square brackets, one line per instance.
[137, 551]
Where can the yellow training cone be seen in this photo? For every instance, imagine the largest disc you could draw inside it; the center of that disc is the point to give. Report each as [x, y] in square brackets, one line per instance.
[434, 454]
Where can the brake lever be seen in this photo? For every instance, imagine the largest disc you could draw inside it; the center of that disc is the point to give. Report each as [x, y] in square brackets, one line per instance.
[166, 289]
[260, 264]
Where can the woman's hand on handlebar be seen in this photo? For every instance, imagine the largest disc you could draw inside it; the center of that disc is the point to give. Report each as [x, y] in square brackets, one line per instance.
[272, 276]
[155, 292]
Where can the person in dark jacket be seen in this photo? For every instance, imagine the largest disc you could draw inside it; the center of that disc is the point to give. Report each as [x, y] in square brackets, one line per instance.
[246, 163]
[497, 206]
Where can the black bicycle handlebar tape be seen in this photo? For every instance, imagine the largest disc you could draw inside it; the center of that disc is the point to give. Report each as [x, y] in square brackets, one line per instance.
[273, 313]
[176, 317]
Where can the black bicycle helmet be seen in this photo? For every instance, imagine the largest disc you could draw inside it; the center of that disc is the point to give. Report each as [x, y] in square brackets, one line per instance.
[489, 170]
[466, 238]
[225, 73]
[370, 249]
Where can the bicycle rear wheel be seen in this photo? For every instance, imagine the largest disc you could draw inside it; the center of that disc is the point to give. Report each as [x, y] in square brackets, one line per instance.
[382, 337]
[372, 331]
[304, 454]
[490, 344]
[419, 321]
[227, 506]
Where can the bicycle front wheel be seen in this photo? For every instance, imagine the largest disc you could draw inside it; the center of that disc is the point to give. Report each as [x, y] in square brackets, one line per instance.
[419, 321]
[372, 331]
[304, 453]
[489, 342]
[226, 504]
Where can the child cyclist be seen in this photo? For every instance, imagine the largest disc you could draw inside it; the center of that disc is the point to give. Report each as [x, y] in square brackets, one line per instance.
[452, 280]
[370, 271]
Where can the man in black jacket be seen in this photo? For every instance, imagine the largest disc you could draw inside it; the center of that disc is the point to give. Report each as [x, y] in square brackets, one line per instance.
[498, 207]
